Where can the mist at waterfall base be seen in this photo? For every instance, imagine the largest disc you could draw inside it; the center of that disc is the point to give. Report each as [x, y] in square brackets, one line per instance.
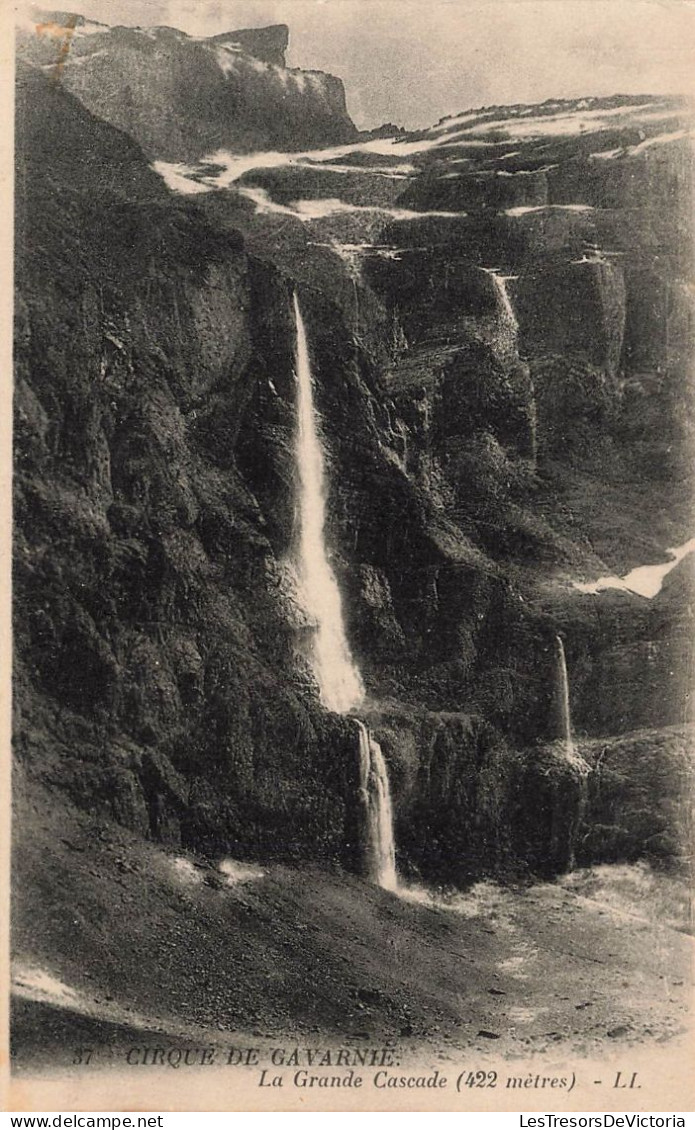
[339, 681]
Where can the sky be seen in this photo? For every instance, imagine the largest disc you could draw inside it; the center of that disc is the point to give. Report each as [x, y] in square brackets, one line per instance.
[411, 62]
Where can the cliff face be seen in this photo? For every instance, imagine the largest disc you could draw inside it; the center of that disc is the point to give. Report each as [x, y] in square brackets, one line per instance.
[182, 97]
[492, 412]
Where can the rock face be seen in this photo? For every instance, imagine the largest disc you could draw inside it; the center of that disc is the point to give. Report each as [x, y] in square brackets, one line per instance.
[182, 97]
[491, 434]
[268, 44]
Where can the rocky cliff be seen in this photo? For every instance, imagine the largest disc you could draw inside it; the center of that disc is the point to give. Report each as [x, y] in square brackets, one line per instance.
[155, 677]
[500, 330]
[181, 97]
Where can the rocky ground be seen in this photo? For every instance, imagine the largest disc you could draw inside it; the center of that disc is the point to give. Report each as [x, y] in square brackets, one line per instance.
[116, 938]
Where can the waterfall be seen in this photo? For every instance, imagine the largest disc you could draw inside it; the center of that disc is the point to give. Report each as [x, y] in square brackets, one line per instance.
[376, 798]
[338, 677]
[507, 331]
[569, 798]
[339, 681]
[562, 697]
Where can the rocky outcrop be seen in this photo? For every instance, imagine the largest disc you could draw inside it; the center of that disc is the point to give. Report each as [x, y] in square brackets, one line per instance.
[229, 92]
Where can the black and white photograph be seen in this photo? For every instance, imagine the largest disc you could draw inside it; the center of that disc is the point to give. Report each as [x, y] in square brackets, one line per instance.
[353, 556]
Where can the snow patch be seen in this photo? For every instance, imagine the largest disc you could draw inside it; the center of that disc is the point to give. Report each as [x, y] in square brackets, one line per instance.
[350, 253]
[90, 28]
[564, 123]
[520, 1014]
[635, 150]
[633, 891]
[33, 983]
[78, 60]
[257, 66]
[516, 964]
[484, 900]
[466, 142]
[234, 165]
[264, 203]
[661, 139]
[606, 155]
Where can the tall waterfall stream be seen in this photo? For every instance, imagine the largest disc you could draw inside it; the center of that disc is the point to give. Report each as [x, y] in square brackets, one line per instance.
[338, 677]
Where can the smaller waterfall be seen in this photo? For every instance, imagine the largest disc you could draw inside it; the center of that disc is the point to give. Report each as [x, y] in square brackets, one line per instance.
[338, 678]
[533, 427]
[562, 697]
[507, 341]
[375, 793]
